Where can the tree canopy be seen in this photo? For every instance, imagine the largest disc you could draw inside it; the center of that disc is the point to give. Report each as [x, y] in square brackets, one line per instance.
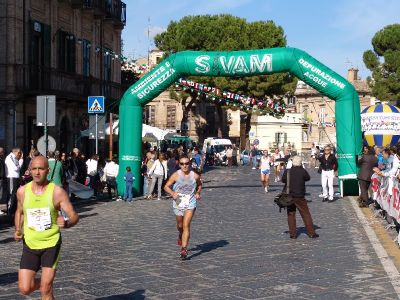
[384, 62]
[229, 33]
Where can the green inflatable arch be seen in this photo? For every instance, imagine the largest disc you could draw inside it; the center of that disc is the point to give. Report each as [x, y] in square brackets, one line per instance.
[239, 63]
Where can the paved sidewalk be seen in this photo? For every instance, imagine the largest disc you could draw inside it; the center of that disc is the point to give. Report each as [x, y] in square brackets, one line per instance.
[239, 249]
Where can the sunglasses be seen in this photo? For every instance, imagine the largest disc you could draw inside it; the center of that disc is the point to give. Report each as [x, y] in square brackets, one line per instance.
[184, 164]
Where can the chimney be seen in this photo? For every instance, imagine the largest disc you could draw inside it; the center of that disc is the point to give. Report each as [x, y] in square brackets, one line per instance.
[352, 75]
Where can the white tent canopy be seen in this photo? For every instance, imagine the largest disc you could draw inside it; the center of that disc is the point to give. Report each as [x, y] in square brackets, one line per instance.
[157, 132]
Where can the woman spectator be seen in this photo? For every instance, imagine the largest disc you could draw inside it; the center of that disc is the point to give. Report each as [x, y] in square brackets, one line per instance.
[297, 189]
[367, 163]
[158, 172]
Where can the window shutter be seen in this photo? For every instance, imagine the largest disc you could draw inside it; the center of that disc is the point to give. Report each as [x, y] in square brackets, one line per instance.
[46, 45]
[285, 137]
[277, 137]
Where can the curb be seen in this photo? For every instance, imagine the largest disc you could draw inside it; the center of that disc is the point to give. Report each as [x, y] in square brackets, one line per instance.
[386, 260]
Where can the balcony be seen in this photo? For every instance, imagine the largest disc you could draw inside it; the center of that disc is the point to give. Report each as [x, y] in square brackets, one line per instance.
[36, 80]
[116, 12]
[97, 6]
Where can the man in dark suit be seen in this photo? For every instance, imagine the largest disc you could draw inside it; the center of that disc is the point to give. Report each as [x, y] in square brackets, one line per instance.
[367, 163]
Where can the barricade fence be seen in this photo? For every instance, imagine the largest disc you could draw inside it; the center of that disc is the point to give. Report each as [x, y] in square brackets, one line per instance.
[385, 191]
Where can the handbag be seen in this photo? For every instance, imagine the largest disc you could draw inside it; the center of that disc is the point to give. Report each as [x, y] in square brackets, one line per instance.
[284, 199]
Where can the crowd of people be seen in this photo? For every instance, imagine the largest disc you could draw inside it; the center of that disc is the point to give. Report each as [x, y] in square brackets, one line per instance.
[96, 173]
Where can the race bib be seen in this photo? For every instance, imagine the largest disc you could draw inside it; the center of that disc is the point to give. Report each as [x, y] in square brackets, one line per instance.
[39, 219]
[183, 200]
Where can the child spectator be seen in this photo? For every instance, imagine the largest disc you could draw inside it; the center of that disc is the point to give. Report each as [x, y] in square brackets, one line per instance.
[129, 178]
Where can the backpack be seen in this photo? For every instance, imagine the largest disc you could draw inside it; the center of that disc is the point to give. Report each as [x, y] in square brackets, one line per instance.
[284, 199]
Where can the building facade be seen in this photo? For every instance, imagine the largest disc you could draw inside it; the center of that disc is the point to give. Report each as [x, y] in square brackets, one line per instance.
[318, 111]
[67, 48]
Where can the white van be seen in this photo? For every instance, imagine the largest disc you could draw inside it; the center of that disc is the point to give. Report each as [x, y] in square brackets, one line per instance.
[218, 144]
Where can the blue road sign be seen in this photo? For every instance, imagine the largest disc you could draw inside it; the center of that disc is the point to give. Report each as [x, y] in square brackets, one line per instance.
[96, 105]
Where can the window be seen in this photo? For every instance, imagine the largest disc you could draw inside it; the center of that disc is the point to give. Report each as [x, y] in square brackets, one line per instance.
[66, 52]
[280, 138]
[292, 100]
[171, 116]
[322, 114]
[305, 112]
[86, 58]
[149, 115]
[323, 138]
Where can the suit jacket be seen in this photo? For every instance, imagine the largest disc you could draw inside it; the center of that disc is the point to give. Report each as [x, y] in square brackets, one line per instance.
[366, 164]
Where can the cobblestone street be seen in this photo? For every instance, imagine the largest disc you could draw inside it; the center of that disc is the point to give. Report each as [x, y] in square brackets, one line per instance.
[239, 249]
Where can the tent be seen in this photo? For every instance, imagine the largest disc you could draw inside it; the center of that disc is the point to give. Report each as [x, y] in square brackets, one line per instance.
[148, 132]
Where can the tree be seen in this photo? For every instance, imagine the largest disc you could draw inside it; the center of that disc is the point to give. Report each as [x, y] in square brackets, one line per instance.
[384, 62]
[226, 33]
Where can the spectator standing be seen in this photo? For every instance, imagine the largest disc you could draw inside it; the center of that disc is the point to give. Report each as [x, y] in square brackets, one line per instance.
[253, 157]
[297, 189]
[92, 171]
[329, 166]
[158, 172]
[13, 164]
[235, 155]
[3, 181]
[229, 155]
[367, 163]
[111, 171]
[56, 170]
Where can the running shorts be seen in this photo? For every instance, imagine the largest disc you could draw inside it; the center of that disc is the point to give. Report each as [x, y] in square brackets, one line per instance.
[266, 171]
[33, 259]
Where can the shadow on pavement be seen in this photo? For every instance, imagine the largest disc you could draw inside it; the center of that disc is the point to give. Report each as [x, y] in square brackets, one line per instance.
[8, 278]
[136, 295]
[207, 247]
[86, 216]
[7, 240]
[303, 230]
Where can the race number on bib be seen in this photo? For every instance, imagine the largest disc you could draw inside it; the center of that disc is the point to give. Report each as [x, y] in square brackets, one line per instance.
[39, 219]
[183, 200]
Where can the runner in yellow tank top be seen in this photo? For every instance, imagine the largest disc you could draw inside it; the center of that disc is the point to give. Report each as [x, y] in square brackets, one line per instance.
[39, 203]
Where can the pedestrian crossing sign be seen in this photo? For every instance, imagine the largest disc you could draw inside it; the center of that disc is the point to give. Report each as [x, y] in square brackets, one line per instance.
[96, 104]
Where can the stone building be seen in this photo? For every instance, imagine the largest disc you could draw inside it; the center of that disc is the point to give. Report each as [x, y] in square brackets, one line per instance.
[318, 111]
[67, 48]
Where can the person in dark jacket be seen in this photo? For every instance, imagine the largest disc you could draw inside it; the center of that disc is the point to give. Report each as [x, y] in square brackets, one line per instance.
[297, 189]
[367, 163]
[328, 166]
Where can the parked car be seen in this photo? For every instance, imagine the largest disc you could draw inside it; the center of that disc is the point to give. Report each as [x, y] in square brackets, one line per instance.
[245, 156]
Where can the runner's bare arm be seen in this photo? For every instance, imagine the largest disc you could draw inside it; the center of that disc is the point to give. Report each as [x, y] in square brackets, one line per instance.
[199, 186]
[19, 220]
[169, 183]
[61, 201]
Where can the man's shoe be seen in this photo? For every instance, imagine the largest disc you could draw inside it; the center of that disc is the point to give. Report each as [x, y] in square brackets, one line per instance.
[184, 253]
[314, 236]
[330, 200]
[325, 200]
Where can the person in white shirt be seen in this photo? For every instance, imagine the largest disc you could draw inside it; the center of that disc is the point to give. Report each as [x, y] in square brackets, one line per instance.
[91, 165]
[111, 171]
[158, 173]
[13, 164]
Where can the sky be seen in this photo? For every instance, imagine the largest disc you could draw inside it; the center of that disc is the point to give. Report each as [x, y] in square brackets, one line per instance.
[334, 32]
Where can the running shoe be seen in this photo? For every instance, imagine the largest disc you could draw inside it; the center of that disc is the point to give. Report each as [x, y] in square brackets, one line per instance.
[184, 253]
[266, 189]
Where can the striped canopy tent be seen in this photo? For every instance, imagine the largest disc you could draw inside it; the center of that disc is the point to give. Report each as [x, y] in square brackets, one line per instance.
[380, 124]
